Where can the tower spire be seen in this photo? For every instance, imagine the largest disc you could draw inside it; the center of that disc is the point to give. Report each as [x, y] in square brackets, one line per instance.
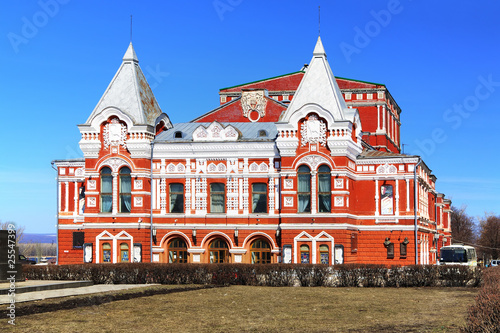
[319, 20]
[131, 28]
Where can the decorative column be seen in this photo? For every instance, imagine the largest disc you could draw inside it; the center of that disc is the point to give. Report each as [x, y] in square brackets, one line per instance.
[59, 196]
[75, 210]
[397, 197]
[115, 192]
[407, 195]
[378, 117]
[163, 196]
[376, 198]
[66, 197]
[313, 192]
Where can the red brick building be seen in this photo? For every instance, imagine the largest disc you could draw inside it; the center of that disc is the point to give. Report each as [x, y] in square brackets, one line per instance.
[303, 167]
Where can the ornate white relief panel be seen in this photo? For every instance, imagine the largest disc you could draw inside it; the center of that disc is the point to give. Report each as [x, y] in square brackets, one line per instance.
[386, 168]
[219, 168]
[232, 165]
[288, 184]
[91, 183]
[138, 184]
[339, 201]
[80, 172]
[313, 161]
[201, 165]
[271, 195]
[215, 132]
[115, 163]
[339, 183]
[115, 133]
[232, 195]
[91, 202]
[138, 201]
[313, 130]
[201, 194]
[253, 104]
[288, 202]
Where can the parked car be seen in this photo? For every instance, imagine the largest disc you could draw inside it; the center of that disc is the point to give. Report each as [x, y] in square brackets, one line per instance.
[494, 262]
[25, 261]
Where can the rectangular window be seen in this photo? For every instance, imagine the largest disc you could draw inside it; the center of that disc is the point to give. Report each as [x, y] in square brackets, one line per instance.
[259, 198]
[176, 198]
[78, 239]
[304, 189]
[217, 198]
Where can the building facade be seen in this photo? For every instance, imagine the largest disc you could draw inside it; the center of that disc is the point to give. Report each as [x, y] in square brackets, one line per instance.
[300, 168]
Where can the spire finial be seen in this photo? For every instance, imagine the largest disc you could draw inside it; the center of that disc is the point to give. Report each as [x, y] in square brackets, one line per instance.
[131, 28]
[319, 20]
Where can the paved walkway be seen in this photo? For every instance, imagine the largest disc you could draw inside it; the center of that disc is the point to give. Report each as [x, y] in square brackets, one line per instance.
[53, 293]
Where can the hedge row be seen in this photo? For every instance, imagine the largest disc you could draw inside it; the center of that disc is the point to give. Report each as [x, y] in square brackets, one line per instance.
[484, 315]
[274, 275]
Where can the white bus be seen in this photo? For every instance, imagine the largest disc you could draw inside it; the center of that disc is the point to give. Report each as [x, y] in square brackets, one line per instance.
[458, 254]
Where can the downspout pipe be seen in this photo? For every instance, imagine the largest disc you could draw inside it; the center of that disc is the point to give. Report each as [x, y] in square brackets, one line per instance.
[415, 207]
[57, 212]
[151, 205]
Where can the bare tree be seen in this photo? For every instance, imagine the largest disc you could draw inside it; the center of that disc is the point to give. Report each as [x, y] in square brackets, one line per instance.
[463, 227]
[19, 230]
[490, 237]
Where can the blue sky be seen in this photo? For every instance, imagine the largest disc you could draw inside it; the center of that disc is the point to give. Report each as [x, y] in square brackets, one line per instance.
[438, 59]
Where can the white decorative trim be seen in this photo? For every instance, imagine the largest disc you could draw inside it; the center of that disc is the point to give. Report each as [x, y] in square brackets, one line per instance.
[339, 202]
[138, 184]
[91, 201]
[91, 183]
[288, 184]
[313, 131]
[386, 169]
[288, 202]
[215, 132]
[115, 133]
[338, 183]
[253, 101]
[137, 201]
[313, 161]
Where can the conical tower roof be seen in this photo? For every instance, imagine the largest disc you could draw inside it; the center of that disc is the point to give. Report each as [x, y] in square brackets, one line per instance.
[130, 93]
[319, 86]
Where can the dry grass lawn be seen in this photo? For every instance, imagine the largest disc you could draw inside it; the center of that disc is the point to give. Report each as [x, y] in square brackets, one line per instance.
[267, 309]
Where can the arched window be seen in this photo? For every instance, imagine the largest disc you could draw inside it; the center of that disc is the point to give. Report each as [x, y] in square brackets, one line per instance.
[324, 255]
[304, 189]
[125, 190]
[106, 190]
[124, 252]
[106, 252]
[259, 198]
[304, 254]
[177, 251]
[217, 198]
[324, 189]
[219, 252]
[260, 252]
[176, 198]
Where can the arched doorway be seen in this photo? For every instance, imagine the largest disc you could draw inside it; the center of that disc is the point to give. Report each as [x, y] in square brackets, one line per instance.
[177, 251]
[260, 252]
[219, 251]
